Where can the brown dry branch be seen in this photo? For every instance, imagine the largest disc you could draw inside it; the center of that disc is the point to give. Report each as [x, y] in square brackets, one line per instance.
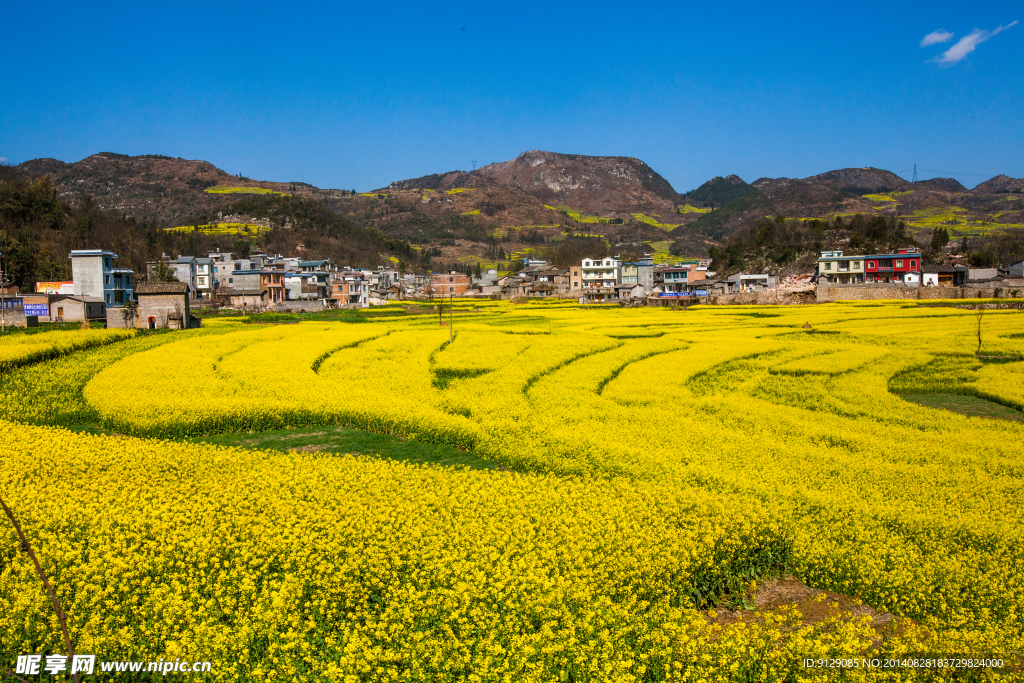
[26, 547]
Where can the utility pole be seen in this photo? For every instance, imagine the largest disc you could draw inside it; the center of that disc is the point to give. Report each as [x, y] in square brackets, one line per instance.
[914, 181]
[451, 316]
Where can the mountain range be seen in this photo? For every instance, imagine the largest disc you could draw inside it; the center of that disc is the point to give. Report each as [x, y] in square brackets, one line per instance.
[538, 198]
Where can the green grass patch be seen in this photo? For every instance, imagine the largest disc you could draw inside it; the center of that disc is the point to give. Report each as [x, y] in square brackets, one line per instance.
[966, 405]
[343, 440]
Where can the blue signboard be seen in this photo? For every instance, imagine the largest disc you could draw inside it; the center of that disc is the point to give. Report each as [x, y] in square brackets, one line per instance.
[37, 309]
[700, 292]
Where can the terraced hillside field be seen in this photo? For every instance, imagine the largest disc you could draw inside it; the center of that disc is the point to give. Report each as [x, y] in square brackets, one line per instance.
[645, 469]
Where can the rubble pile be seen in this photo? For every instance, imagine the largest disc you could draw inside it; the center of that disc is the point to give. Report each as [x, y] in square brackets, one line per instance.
[796, 283]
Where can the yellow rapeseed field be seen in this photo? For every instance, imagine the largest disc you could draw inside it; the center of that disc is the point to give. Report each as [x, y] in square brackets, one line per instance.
[650, 461]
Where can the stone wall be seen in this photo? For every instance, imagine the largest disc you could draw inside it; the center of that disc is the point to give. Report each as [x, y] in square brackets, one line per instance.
[116, 320]
[868, 292]
[767, 297]
[14, 317]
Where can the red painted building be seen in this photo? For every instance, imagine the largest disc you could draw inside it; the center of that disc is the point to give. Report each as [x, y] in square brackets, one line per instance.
[903, 266]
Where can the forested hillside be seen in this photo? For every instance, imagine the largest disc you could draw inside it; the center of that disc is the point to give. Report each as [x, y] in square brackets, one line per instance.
[38, 228]
[780, 244]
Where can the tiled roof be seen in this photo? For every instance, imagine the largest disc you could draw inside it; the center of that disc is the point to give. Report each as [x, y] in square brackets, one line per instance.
[161, 288]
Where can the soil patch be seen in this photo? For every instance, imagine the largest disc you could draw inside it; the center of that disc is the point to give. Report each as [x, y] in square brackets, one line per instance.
[814, 605]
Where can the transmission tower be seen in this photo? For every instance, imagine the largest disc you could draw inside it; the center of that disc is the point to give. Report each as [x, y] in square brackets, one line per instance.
[915, 175]
[474, 163]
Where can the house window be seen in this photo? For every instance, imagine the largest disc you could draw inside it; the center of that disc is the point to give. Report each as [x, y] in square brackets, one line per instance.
[106, 279]
[871, 264]
[913, 265]
[899, 263]
[128, 280]
[109, 298]
[828, 265]
[856, 264]
[230, 280]
[106, 263]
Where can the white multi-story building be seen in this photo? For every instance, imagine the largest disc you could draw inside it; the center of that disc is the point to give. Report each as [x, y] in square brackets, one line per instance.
[204, 278]
[601, 273]
[93, 275]
[599, 278]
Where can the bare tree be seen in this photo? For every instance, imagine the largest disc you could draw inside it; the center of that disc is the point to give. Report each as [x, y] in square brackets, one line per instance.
[26, 548]
[129, 313]
[979, 314]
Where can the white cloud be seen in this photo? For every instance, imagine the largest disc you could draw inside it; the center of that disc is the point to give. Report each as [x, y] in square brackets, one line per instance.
[3, 160]
[966, 45]
[940, 36]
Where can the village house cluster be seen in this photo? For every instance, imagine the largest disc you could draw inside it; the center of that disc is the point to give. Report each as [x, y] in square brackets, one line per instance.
[174, 288]
[906, 268]
[610, 279]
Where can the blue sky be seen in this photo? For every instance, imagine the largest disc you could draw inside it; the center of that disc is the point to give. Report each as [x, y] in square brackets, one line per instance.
[358, 95]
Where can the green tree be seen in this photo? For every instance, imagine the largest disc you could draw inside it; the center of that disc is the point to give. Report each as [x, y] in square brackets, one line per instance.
[940, 238]
[162, 272]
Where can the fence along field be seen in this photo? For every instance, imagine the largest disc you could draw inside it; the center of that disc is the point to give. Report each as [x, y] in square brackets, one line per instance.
[653, 460]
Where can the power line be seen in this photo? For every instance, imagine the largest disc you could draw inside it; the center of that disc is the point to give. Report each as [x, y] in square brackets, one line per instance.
[980, 175]
[909, 171]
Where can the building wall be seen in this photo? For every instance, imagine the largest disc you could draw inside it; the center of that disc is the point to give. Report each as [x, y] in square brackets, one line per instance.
[449, 284]
[161, 307]
[186, 272]
[855, 266]
[240, 280]
[247, 301]
[115, 319]
[76, 311]
[87, 274]
[645, 277]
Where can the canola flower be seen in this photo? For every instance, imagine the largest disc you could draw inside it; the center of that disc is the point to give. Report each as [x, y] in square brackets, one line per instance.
[21, 349]
[785, 446]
